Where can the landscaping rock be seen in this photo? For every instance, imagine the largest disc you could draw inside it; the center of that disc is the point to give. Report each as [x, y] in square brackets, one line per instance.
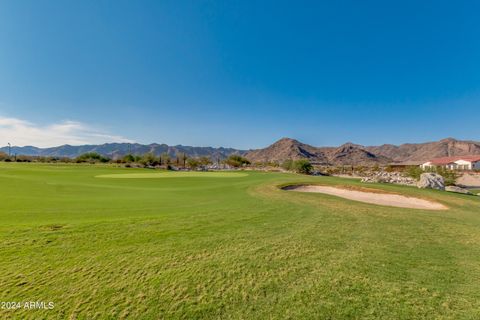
[457, 190]
[389, 177]
[431, 180]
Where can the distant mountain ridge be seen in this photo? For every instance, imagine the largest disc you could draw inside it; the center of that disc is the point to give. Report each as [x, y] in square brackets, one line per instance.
[283, 149]
[117, 150]
[353, 154]
[287, 148]
[448, 147]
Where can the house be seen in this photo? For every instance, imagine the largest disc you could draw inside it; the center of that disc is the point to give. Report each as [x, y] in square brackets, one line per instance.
[454, 163]
[468, 163]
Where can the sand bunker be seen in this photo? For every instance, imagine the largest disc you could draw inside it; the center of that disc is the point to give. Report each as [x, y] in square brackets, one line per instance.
[384, 199]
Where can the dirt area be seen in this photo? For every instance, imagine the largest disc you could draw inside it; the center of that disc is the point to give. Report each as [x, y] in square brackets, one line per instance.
[384, 199]
[469, 180]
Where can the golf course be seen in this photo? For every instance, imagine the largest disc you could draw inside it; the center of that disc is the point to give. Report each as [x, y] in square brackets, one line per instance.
[105, 242]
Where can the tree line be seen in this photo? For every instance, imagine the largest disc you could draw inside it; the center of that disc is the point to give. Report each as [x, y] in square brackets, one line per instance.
[164, 160]
[181, 160]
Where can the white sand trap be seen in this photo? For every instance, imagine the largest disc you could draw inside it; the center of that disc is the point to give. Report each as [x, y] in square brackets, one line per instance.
[384, 199]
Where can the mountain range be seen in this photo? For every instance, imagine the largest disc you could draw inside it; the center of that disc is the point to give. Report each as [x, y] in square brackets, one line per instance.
[353, 154]
[117, 150]
[283, 149]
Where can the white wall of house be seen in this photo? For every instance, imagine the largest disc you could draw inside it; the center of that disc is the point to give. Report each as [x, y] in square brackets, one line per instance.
[457, 165]
[426, 165]
[463, 165]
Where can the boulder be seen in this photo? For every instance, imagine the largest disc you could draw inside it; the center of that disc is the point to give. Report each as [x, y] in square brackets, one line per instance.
[431, 180]
[457, 190]
[388, 177]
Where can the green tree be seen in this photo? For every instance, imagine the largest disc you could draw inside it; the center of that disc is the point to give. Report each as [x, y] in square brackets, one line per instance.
[303, 166]
[165, 158]
[128, 158]
[449, 176]
[236, 161]
[149, 159]
[204, 161]
[193, 163]
[92, 157]
[414, 172]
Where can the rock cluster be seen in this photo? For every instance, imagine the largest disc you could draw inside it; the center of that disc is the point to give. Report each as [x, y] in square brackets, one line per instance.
[389, 177]
[457, 190]
[431, 180]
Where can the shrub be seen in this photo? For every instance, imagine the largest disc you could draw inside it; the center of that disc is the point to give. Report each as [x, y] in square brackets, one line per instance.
[414, 172]
[165, 159]
[237, 161]
[149, 159]
[287, 165]
[302, 166]
[128, 158]
[204, 161]
[92, 157]
[449, 176]
[192, 163]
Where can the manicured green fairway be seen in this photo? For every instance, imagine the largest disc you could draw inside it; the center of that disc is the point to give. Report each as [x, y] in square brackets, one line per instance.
[206, 246]
[172, 174]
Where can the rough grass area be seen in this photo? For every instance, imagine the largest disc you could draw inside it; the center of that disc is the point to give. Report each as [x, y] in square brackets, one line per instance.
[238, 248]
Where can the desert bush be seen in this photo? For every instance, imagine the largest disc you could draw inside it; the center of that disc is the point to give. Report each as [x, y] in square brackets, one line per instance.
[302, 166]
[361, 170]
[22, 158]
[287, 165]
[236, 161]
[92, 157]
[192, 163]
[449, 176]
[165, 159]
[149, 159]
[390, 168]
[128, 158]
[205, 161]
[3, 156]
[414, 172]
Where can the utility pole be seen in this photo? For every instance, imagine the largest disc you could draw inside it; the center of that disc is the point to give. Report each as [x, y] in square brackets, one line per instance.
[9, 149]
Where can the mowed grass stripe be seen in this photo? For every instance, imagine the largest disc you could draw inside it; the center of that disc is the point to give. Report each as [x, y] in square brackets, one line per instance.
[204, 247]
[177, 174]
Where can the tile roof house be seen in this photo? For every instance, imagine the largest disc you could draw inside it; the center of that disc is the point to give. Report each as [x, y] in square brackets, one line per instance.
[454, 163]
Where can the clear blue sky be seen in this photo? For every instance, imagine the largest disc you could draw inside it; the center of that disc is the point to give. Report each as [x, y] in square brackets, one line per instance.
[245, 73]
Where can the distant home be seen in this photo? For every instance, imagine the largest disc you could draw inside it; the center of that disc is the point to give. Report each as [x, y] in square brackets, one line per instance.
[454, 163]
